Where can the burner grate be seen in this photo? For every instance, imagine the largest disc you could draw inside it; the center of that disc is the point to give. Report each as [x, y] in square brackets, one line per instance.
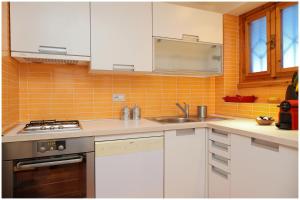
[51, 125]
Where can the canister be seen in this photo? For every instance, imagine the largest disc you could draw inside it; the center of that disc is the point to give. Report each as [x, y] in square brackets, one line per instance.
[125, 113]
[202, 111]
[136, 112]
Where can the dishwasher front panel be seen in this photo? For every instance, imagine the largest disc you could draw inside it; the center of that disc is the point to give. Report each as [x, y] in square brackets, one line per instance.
[129, 168]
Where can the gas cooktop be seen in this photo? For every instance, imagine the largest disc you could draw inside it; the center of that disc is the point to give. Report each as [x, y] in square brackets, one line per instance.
[42, 126]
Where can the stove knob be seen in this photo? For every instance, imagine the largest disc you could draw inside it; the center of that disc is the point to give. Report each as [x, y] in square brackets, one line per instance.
[60, 127]
[52, 127]
[61, 147]
[43, 128]
[42, 149]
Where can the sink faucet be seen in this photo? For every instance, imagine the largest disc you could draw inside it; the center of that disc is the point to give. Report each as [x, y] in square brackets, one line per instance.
[185, 110]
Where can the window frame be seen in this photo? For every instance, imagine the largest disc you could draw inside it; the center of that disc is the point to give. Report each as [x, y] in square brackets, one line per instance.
[263, 13]
[275, 74]
[280, 71]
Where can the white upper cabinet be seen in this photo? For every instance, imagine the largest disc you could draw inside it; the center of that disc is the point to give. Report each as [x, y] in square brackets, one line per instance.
[121, 36]
[177, 22]
[50, 28]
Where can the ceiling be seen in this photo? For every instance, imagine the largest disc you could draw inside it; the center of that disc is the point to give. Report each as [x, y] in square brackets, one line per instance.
[233, 8]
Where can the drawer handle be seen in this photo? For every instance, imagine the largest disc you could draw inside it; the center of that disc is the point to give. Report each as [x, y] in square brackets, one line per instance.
[220, 133]
[265, 144]
[219, 172]
[53, 50]
[122, 67]
[219, 145]
[220, 159]
[183, 132]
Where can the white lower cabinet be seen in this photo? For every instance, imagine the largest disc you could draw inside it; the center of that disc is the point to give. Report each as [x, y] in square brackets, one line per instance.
[185, 158]
[262, 169]
[129, 167]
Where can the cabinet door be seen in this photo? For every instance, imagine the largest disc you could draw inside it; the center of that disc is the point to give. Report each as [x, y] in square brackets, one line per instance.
[55, 28]
[121, 36]
[262, 169]
[185, 163]
[175, 21]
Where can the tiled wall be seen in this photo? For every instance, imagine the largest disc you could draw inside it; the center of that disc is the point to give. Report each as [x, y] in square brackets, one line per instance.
[70, 92]
[227, 84]
[10, 78]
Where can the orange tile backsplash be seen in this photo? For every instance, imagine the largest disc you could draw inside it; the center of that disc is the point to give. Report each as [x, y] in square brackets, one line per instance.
[70, 92]
[10, 78]
[10, 92]
[44, 91]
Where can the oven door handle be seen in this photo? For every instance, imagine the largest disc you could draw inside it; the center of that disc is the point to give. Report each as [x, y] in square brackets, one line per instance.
[49, 162]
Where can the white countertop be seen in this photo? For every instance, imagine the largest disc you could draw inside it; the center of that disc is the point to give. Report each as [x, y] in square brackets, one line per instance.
[105, 127]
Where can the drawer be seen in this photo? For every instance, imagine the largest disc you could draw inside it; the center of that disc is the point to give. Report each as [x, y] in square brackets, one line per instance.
[219, 136]
[219, 161]
[219, 148]
[219, 183]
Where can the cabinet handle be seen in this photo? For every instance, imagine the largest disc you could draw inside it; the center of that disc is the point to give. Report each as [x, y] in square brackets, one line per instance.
[53, 50]
[219, 171]
[219, 145]
[183, 132]
[123, 67]
[220, 159]
[265, 144]
[188, 37]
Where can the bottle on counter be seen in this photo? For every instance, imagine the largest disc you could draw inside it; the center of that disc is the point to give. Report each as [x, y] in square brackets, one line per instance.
[125, 113]
[136, 112]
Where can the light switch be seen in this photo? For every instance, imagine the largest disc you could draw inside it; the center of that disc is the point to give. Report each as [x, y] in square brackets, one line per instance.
[118, 97]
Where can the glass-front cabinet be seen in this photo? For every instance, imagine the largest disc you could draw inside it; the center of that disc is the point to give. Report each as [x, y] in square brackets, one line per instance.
[187, 57]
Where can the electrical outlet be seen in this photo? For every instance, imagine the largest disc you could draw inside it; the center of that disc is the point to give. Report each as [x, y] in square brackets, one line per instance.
[118, 97]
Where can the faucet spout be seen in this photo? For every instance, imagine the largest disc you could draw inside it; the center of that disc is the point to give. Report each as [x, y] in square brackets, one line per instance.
[185, 110]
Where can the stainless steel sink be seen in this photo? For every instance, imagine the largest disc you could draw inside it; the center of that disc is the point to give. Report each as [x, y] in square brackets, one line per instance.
[166, 120]
[173, 120]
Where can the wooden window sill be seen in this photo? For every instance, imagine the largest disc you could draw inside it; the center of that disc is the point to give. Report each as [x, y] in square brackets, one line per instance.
[252, 84]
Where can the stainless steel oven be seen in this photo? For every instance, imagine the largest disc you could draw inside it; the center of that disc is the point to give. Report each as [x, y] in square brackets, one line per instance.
[49, 169]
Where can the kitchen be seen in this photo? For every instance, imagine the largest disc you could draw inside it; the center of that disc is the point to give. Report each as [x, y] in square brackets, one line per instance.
[149, 99]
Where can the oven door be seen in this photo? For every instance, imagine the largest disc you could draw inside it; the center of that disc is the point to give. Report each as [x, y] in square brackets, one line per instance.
[51, 177]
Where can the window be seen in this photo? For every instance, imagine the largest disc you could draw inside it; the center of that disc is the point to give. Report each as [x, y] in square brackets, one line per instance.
[289, 36]
[258, 47]
[269, 44]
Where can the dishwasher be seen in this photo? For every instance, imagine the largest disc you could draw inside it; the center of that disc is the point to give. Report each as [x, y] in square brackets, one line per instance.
[129, 168]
